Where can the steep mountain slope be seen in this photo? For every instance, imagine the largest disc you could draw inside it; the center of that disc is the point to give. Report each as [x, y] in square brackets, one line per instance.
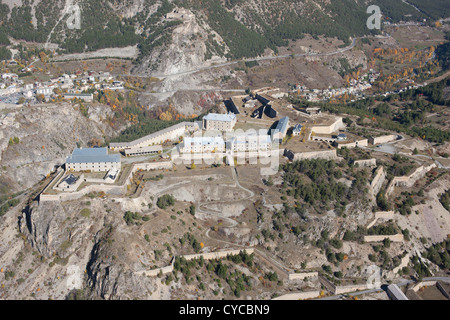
[191, 32]
[35, 139]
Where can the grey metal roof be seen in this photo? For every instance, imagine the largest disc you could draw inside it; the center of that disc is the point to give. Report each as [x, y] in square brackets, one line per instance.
[396, 293]
[282, 124]
[220, 117]
[192, 125]
[92, 155]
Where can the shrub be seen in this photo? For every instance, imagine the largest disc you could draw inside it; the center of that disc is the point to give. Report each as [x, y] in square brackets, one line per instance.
[86, 212]
[165, 201]
[192, 210]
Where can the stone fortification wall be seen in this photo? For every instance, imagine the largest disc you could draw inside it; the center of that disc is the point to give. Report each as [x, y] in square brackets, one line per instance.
[408, 181]
[366, 163]
[359, 143]
[329, 129]
[383, 139]
[110, 189]
[303, 275]
[325, 154]
[393, 238]
[385, 215]
[299, 296]
[206, 256]
[378, 180]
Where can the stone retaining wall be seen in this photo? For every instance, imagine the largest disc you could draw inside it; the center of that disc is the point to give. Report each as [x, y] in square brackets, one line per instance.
[379, 238]
[325, 154]
[383, 139]
[351, 288]
[206, 256]
[386, 215]
[359, 143]
[408, 181]
[110, 189]
[366, 163]
[303, 275]
[299, 296]
[378, 180]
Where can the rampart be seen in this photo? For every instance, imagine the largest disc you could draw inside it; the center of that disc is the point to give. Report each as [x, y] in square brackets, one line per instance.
[438, 285]
[299, 296]
[378, 180]
[350, 288]
[383, 139]
[59, 173]
[385, 215]
[359, 143]
[110, 189]
[206, 256]
[408, 181]
[334, 126]
[325, 154]
[341, 289]
[379, 238]
[366, 163]
[303, 275]
[217, 255]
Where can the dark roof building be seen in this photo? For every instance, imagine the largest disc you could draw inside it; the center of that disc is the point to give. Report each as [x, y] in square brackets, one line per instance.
[269, 111]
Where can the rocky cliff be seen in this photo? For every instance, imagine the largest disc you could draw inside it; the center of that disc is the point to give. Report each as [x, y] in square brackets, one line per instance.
[34, 139]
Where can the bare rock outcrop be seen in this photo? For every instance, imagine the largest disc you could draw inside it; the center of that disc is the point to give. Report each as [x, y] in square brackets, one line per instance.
[54, 229]
[34, 139]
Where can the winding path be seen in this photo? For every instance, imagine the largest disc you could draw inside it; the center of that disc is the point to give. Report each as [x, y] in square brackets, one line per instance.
[163, 76]
[233, 223]
[207, 211]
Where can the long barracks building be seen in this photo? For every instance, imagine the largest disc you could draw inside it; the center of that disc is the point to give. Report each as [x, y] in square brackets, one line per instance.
[92, 159]
[170, 133]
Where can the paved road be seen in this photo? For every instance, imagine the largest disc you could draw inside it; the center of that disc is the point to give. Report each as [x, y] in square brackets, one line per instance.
[414, 157]
[162, 76]
[194, 90]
